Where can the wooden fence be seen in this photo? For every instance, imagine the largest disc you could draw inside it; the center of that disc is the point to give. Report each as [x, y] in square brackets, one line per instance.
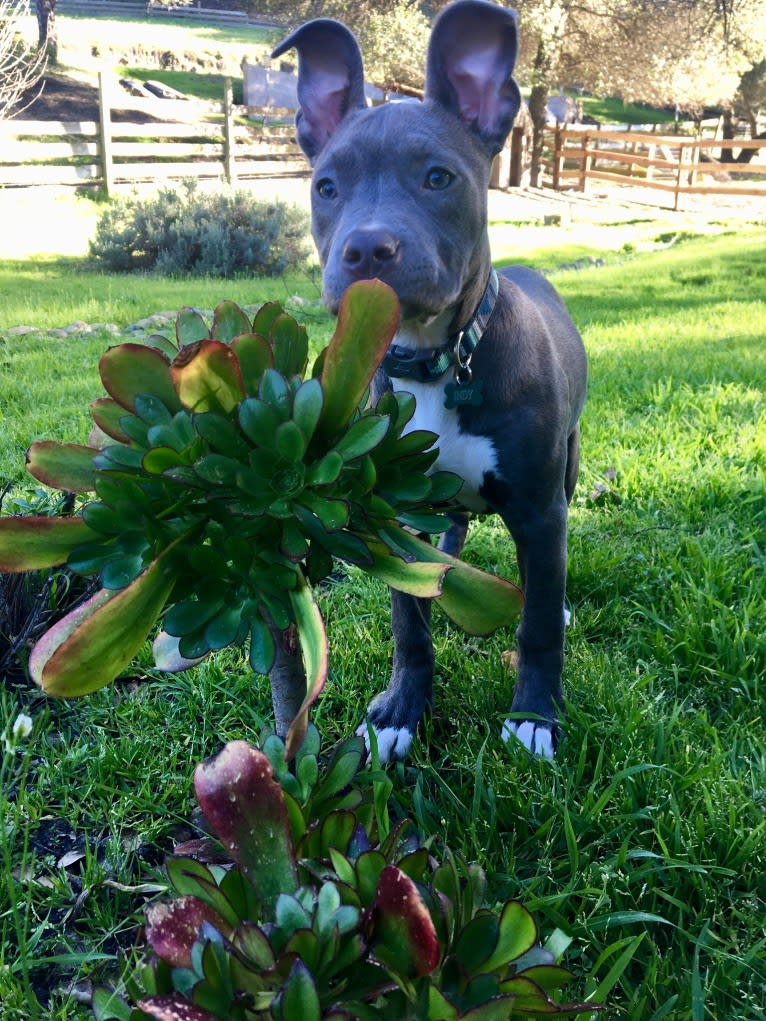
[144, 8]
[188, 139]
[676, 165]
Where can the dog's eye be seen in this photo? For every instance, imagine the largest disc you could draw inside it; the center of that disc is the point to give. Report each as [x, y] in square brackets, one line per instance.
[326, 188]
[437, 179]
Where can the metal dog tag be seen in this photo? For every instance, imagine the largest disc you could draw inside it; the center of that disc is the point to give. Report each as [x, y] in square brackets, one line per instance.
[461, 395]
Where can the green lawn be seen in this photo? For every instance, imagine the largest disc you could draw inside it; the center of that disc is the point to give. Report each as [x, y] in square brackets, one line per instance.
[647, 836]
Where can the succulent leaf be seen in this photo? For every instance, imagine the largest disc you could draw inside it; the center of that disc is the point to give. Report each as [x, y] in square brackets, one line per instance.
[244, 805]
[190, 327]
[207, 377]
[479, 603]
[255, 356]
[291, 345]
[131, 369]
[106, 414]
[65, 466]
[93, 643]
[307, 407]
[313, 639]
[517, 934]
[367, 320]
[229, 320]
[36, 542]
[174, 1007]
[298, 997]
[265, 317]
[172, 927]
[404, 937]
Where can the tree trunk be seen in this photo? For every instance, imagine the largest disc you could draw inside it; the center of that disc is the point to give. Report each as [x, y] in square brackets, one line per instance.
[728, 131]
[538, 107]
[46, 28]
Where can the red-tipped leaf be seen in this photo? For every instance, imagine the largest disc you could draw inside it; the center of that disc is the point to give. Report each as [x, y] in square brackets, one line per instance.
[367, 320]
[173, 1007]
[94, 643]
[478, 602]
[207, 376]
[244, 805]
[106, 414]
[404, 937]
[34, 543]
[172, 927]
[65, 466]
[131, 369]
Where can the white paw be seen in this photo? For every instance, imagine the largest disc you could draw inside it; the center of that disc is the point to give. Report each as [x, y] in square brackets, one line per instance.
[393, 742]
[537, 738]
[167, 657]
[567, 617]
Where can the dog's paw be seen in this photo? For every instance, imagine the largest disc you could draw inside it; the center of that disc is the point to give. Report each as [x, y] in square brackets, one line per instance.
[393, 742]
[567, 617]
[537, 738]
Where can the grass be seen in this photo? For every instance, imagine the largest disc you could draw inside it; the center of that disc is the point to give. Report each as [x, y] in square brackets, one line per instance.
[645, 840]
[209, 87]
[614, 110]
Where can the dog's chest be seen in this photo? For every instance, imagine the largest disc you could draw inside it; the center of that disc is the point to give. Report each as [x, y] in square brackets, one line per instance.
[471, 457]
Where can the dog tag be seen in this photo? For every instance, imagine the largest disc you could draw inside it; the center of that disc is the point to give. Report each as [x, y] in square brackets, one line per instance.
[461, 395]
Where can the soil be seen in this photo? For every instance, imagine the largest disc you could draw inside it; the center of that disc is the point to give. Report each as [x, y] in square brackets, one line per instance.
[70, 99]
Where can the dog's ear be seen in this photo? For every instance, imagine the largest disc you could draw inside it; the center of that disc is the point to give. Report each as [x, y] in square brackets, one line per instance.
[471, 56]
[330, 80]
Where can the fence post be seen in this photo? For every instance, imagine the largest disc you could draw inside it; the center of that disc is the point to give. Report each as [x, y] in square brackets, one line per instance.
[229, 157]
[517, 157]
[558, 157]
[682, 163]
[585, 164]
[105, 131]
[652, 154]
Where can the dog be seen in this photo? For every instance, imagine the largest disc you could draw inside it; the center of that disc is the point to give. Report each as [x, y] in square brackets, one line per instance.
[497, 367]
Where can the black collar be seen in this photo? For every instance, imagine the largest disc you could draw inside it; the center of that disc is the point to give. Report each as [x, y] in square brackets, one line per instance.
[431, 363]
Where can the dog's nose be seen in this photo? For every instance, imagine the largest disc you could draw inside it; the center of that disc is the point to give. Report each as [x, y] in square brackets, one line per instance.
[369, 253]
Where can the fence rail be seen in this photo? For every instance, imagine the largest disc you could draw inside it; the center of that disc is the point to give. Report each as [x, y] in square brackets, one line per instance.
[189, 139]
[677, 165]
[145, 8]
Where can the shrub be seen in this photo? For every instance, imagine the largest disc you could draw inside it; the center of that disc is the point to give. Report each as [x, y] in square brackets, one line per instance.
[316, 908]
[188, 232]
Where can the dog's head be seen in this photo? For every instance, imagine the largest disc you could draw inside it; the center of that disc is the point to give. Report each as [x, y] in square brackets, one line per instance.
[399, 190]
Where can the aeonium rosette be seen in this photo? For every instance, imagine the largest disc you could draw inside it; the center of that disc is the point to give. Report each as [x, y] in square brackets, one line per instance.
[227, 480]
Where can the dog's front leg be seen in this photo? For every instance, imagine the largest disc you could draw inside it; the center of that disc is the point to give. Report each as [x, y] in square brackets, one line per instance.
[541, 545]
[396, 712]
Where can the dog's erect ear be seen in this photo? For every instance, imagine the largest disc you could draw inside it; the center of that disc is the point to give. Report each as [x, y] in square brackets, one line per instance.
[470, 59]
[330, 80]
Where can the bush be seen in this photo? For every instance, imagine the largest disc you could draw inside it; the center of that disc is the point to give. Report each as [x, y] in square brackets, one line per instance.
[191, 233]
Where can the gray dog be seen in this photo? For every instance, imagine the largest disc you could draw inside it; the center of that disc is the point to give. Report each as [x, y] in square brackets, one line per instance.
[498, 369]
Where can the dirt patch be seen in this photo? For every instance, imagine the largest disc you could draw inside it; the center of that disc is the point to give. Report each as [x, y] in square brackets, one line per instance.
[60, 98]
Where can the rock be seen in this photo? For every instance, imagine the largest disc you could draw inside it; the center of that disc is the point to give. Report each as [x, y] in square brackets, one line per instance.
[163, 91]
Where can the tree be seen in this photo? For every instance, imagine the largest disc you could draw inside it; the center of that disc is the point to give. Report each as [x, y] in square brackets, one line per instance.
[46, 28]
[20, 68]
[690, 54]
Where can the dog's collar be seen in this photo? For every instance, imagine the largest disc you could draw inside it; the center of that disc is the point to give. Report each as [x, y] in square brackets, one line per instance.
[431, 363]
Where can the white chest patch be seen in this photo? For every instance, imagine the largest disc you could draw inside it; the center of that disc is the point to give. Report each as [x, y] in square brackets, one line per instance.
[470, 457]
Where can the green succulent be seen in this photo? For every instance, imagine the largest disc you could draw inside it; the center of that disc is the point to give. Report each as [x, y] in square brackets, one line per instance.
[227, 480]
[314, 908]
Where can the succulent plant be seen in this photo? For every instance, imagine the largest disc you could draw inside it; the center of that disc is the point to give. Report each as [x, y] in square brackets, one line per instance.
[227, 480]
[315, 908]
